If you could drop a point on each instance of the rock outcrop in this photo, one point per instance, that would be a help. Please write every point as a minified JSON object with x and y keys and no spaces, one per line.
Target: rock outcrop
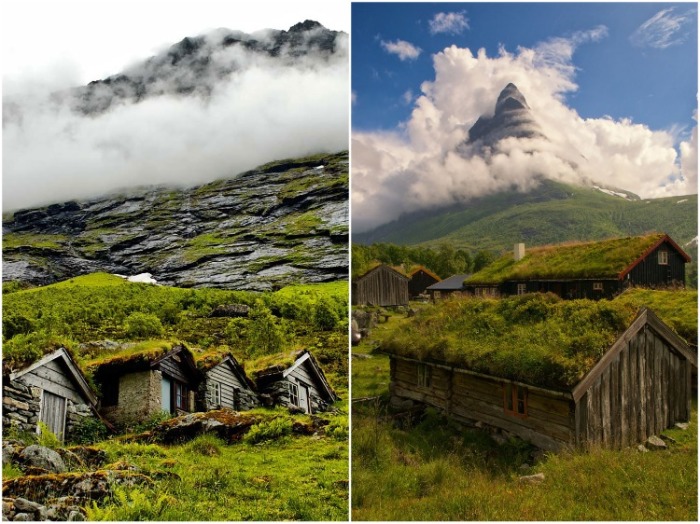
{"x":512,"y":118}
{"x":283,"y":222}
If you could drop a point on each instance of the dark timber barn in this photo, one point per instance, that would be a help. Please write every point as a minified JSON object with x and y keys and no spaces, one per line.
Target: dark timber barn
{"x":585,"y":270}
{"x":419,"y":279}
{"x":380,"y":286}
{"x":640,"y":386}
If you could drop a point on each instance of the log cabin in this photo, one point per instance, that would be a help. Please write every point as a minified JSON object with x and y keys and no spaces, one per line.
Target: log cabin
{"x":137,"y":385}
{"x":555,"y":385}
{"x":380,"y":286}
{"x":592,"y":270}
{"x":419,"y":279}
{"x":52,"y":390}
{"x":225,"y":384}
{"x":295,"y":380}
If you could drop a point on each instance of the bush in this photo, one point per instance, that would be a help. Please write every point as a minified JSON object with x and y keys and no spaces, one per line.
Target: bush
{"x":207,"y":445}
{"x":325,"y":315}
{"x":88,"y":431}
{"x":143,"y":325}
{"x":272,"y":430}
{"x":47,"y":438}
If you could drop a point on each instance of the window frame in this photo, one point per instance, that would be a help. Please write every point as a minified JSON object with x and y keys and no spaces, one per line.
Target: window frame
{"x":214,"y":390}
{"x":293,"y":394}
{"x":181,"y":396}
{"x":663,"y":257}
{"x":424,"y":375}
{"x":521,"y":288}
{"x":597,"y":286}
{"x":513,"y":396}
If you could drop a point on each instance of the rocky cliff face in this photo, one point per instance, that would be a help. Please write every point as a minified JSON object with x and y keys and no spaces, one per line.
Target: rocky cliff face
{"x":284,"y":222}
{"x":195,"y":65}
{"x":512,"y":118}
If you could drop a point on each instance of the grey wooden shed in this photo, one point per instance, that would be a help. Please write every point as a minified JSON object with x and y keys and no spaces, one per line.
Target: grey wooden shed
{"x":52,"y":390}
{"x":225,"y":385}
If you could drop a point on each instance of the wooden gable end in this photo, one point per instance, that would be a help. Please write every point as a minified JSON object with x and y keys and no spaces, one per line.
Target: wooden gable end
{"x":179,"y":364}
{"x":640,"y":387}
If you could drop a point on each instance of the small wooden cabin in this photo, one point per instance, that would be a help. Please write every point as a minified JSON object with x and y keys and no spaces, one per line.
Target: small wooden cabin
{"x":592,"y":270}
{"x":380,"y":286}
{"x":451,"y":286}
{"x":137,"y":385}
{"x":296,"y":380}
{"x":225,"y":385}
{"x":419,"y":279}
{"x":640,"y":386}
{"x":51,"y":390}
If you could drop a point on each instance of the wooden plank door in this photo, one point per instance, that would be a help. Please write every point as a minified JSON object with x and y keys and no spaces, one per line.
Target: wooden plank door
{"x":304,"y":398}
{"x":53,"y":413}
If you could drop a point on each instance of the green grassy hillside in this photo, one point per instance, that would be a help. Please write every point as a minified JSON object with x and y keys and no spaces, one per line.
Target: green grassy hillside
{"x":552,"y":213}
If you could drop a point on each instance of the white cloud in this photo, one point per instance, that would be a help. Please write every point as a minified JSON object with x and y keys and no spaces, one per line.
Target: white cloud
{"x":451,"y":23}
{"x":269,"y":110}
{"x":407,"y":97}
{"x":663,"y":30}
{"x":404,"y":50}
{"x":427,"y":163}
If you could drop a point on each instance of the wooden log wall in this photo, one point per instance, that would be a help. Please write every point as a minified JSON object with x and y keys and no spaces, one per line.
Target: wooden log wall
{"x":550,"y":422}
{"x":381,"y":287}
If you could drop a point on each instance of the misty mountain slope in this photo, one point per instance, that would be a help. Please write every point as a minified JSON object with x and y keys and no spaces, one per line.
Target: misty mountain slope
{"x":551,"y":213}
{"x":208,"y":106}
{"x":195,"y":65}
{"x":284,"y":222}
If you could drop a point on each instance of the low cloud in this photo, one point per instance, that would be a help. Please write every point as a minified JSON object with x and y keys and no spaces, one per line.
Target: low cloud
{"x":427,"y":162}
{"x":404,"y":50}
{"x":450,"y":23}
{"x":267,"y":109}
{"x":664,"y":29}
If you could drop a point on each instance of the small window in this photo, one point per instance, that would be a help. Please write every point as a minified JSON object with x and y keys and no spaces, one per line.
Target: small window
{"x":181,"y":395}
{"x":215,"y":393}
{"x":424,"y":375}
{"x":236,"y":395}
{"x":663,"y":258}
{"x":515,"y":400}
{"x":436,"y":294}
{"x":293,"y":394}
{"x":522,"y":288}
{"x":597,"y":286}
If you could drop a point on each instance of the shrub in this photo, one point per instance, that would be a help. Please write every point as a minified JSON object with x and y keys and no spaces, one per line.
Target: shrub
{"x":143,"y":325}
{"x":325,"y":315}
{"x":272,"y":430}
{"x":207,"y":445}
{"x":47,"y":438}
{"x":88,"y":431}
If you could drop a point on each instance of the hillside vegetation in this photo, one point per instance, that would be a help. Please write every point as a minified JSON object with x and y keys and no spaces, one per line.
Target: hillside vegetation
{"x":101,"y":306}
{"x":550,"y":214}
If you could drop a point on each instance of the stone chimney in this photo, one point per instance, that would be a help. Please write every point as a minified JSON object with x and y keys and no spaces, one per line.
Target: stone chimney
{"x":518,"y":251}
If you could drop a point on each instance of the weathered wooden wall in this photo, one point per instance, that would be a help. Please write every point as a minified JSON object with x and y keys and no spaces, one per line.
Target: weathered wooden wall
{"x":301,"y":375}
{"x":467,"y":396}
{"x":645,"y":389}
{"x":234,"y":393}
{"x":382,"y":286}
{"x":650,"y":273}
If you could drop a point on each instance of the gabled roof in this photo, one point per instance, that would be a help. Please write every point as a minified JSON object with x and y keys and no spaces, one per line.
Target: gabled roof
{"x":383,"y":267}
{"x":425,"y":270}
{"x":206,"y":363}
{"x":62,"y":354}
{"x":453,"y":283}
{"x":605,"y":259}
{"x":281,"y":367}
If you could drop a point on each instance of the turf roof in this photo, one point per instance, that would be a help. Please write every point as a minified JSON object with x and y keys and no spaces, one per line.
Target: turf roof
{"x":536,"y":339}
{"x":603,"y":259}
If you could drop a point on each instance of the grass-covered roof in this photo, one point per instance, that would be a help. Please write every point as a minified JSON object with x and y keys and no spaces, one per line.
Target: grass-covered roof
{"x":536,"y":339}
{"x":602,"y":259}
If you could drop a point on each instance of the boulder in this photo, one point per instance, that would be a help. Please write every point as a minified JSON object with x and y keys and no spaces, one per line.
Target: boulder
{"x":42,"y":457}
{"x":230,"y":311}
{"x":642,"y":448}
{"x":537,"y":478}
{"x":681,"y":425}
{"x":654,"y":443}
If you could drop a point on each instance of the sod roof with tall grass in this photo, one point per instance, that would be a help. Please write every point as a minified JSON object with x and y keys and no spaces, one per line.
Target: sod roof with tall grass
{"x":603,"y":259}
{"x":537,"y":339}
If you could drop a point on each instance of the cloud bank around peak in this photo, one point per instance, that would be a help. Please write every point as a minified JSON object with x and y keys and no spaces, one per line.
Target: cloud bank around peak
{"x":265,"y":110}
{"x":426,"y":162}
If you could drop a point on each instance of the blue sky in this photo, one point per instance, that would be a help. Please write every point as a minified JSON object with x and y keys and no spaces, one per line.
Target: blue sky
{"x":611,"y":86}
{"x":652,"y":81}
